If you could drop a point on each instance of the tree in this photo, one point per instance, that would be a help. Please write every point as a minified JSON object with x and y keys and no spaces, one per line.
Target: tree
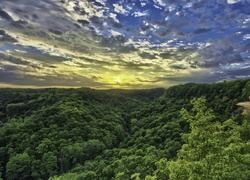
{"x":48,"y":164}
{"x":19,"y":167}
{"x":212,"y":150}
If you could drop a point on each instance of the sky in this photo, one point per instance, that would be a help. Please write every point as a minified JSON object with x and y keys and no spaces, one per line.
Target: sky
{"x":130,"y":44}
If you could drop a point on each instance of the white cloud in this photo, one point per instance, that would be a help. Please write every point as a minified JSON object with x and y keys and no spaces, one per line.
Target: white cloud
{"x":114,"y":17}
{"x":140,"y":14}
{"x":12,"y":15}
{"x":247,"y":20}
{"x":232,"y":1}
{"x":115,"y":33}
{"x":172,"y":8}
{"x":188,"y":5}
{"x":119,"y":9}
{"x":157,"y":7}
{"x":103,"y":2}
{"x":159,"y":2}
{"x":247,"y":36}
{"x":144,"y":2}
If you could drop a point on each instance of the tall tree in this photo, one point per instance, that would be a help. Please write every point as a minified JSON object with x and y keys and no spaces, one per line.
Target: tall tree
{"x":212,"y":150}
{"x":19,"y":167}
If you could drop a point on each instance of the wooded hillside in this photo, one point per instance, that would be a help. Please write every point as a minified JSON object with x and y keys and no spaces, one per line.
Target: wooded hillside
{"x":191,"y":131}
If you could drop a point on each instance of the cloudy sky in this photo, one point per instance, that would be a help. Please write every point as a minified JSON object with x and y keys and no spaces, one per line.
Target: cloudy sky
{"x":123,"y":43}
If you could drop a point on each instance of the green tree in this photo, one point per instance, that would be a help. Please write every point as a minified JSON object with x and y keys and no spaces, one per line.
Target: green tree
{"x":212,"y":150}
{"x":48,"y":164}
{"x":19,"y":167}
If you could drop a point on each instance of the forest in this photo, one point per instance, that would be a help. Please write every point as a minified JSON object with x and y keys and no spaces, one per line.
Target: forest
{"x":186,"y":132}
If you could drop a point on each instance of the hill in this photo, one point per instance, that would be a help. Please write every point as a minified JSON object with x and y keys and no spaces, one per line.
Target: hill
{"x":117,"y":134}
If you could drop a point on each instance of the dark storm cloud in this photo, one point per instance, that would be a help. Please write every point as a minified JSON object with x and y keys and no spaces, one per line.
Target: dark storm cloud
{"x":4,"y":37}
{"x":220,"y":52}
{"x":42,"y":58}
{"x":9,"y":77}
{"x":38,"y":14}
{"x":9,"y":68}
{"x":17,"y":61}
{"x":96,"y":20}
{"x":56,"y":32}
{"x":13,"y":59}
{"x":12,"y":77}
{"x":83,"y":22}
{"x":243,"y":72}
{"x":31,"y":52}
{"x":234,"y":58}
{"x":5,"y":15}
{"x":19,"y":24}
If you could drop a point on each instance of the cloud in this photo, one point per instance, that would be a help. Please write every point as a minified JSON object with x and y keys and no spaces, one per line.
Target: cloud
{"x":13,"y":60}
{"x":5,"y":15}
{"x":178,"y":66}
{"x":102,"y":2}
{"x":117,"y":25}
{"x":162,"y":34}
{"x":224,"y":51}
{"x":119,"y":9}
{"x":114,"y":17}
{"x":246,"y":37}
{"x":115,"y":33}
{"x":56,"y":32}
{"x":4,"y":37}
{"x":160,"y":2}
{"x":149,"y":43}
{"x":202,"y":30}
{"x":140,"y":14}
{"x":19,"y":24}
{"x":116,"y":39}
{"x":145,"y":28}
{"x":232,"y":1}
{"x":147,"y":55}
{"x":95,"y":78}
{"x":14,"y":78}
{"x":199,"y":4}
{"x":83,"y":22}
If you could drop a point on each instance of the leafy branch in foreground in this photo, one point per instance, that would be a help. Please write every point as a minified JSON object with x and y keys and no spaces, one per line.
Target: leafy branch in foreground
{"x":212,"y":150}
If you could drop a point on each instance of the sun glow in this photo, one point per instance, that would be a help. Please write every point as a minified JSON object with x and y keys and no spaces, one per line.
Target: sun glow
{"x":118,"y":80}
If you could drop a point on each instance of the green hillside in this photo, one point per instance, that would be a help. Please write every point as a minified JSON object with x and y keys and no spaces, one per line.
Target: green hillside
{"x":191,"y":131}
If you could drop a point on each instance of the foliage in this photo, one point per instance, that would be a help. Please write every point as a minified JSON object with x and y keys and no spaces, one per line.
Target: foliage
{"x":212,"y":150}
{"x":125,"y":134}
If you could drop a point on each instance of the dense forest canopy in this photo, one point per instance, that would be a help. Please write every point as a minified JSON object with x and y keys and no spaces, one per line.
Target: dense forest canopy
{"x":190,"y":131}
